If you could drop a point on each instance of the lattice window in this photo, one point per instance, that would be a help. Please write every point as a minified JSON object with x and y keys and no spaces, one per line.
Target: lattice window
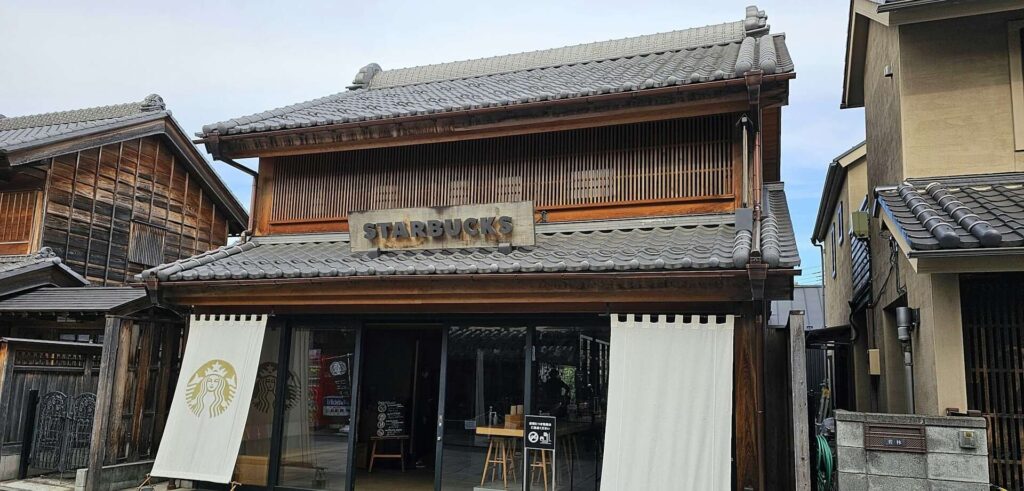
{"x":460,"y":192}
{"x":590,"y":185}
{"x":49,"y":359}
{"x":17,"y":214}
{"x":146,"y":245}
{"x":509,"y":189}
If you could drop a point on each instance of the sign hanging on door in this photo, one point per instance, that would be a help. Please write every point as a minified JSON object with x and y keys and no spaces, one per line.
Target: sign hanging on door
{"x":539,"y":432}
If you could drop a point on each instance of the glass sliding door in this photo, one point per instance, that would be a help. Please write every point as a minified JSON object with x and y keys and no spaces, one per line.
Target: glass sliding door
{"x":484,"y":401}
{"x":318,"y":409}
{"x":252,"y":465}
{"x":570,"y":382}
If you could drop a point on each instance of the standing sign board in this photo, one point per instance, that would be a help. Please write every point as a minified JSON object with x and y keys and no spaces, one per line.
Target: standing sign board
{"x":538,"y":435}
{"x":539,"y":432}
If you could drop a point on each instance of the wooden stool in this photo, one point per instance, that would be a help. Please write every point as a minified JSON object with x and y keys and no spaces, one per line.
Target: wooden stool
{"x":542,"y":463}
{"x":500,"y":452}
{"x":374,"y":455}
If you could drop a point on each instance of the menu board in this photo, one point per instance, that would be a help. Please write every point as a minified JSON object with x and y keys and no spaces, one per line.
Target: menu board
{"x":391,"y":419}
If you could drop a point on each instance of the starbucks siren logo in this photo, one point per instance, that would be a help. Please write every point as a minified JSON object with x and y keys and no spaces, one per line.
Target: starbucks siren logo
{"x":211,"y":388}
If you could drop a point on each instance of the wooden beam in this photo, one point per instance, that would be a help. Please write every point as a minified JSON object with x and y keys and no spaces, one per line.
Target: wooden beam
{"x":466,"y":293}
{"x":264,"y":197}
{"x":798,"y":376}
{"x":105,"y":389}
{"x":570,"y":213}
{"x":366,"y":140}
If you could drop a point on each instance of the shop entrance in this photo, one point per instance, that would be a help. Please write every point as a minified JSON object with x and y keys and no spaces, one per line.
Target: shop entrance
{"x":396,"y":437}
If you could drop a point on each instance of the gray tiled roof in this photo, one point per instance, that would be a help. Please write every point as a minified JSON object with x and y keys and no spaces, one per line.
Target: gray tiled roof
{"x":963,"y":212}
{"x":85,"y":299}
{"x":40,"y":128}
{"x":808,"y":298}
{"x":13,"y":265}
{"x":689,"y":242}
{"x":719,"y":52}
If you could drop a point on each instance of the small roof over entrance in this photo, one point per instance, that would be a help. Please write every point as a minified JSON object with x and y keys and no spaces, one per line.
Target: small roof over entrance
{"x":78,"y":300}
{"x":44,"y":268}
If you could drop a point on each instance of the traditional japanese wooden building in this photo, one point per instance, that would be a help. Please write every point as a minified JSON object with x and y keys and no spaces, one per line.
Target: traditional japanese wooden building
{"x":111,"y":190}
{"x":88,"y":199}
{"x":591,"y":233}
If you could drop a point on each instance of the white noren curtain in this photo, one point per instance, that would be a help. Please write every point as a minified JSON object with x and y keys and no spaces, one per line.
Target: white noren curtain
{"x":669,"y":421}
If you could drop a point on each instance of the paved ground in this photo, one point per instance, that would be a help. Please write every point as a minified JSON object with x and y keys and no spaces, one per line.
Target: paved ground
{"x":39,"y":484}
{"x":54,"y":484}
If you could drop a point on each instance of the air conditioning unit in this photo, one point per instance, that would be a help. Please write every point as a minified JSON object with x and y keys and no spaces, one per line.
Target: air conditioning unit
{"x":861,"y":224}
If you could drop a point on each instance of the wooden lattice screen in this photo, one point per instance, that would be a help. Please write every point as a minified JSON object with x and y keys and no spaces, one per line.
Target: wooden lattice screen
{"x":993,"y":323}
{"x":17,"y":214}
{"x":682,"y":158}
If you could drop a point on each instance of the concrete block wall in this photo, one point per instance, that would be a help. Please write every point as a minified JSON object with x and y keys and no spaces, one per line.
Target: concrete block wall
{"x":946,"y":466}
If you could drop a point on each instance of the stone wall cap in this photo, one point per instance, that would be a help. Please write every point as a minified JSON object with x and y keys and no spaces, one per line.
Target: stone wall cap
{"x":910,"y":419}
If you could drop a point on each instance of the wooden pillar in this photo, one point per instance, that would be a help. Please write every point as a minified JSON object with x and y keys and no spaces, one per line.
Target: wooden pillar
{"x":101,"y":418}
{"x":114,"y":442}
{"x":168,"y":357}
{"x":798,"y":373}
{"x":748,"y":401}
{"x":142,"y":376}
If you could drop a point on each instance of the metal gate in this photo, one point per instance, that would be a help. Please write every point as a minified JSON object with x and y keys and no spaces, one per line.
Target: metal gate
{"x":992,"y":307}
{"x":63,"y":431}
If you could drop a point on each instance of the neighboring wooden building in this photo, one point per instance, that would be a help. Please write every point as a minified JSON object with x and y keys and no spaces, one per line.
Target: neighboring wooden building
{"x":941,"y":87}
{"x":637,"y":176}
{"x":111,"y":190}
{"x":88,"y":199}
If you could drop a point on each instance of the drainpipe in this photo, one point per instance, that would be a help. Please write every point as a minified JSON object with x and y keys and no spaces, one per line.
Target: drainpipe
{"x":906,"y":321}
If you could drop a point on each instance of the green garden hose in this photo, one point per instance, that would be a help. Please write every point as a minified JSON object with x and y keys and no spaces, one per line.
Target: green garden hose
{"x":824,"y":464}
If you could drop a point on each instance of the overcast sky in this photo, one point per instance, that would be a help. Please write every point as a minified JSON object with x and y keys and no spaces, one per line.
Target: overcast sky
{"x":217,"y":60}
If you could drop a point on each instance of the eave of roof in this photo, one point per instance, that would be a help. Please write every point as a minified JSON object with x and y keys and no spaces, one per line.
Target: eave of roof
{"x":92,"y":299}
{"x":834,"y":179}
{"x":956,"y":216}
{"x":422,"y":92}
{"x":44,"y":268}
{"x":892,"y":5}
{"x":26,"y":150}
{"x":686,"y":243}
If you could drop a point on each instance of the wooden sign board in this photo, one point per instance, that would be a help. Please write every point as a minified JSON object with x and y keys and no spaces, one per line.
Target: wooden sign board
{"x":446,"y":227}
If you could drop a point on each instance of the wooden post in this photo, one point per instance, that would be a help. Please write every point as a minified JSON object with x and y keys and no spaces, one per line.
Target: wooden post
{"x":798,"y":374}
{"x":114,"y":441}
{"x":28,"y":427}
{"x":101,"y":418}
{"x":746,"y":395}
{"x":147,"y":335}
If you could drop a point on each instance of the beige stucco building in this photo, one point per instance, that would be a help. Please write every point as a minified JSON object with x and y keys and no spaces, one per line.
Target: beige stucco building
{"x":929,"y":214}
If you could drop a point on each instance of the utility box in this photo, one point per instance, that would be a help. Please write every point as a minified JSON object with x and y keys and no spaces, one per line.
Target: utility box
{"x":861,"y":224}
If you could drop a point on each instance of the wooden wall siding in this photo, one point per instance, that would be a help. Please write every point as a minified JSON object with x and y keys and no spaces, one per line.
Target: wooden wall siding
{"x":94,"y":196}
{"x":648,"y":162}
{"x":17,"y":217}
